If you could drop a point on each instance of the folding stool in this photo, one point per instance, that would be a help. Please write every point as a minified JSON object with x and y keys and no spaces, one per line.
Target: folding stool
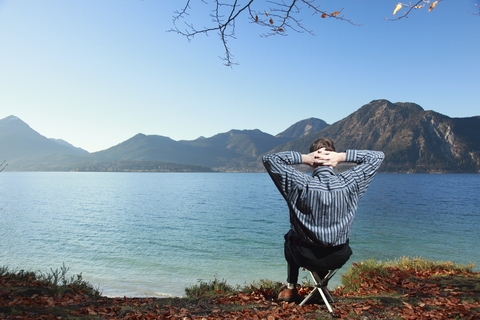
{"x":321,"y":287}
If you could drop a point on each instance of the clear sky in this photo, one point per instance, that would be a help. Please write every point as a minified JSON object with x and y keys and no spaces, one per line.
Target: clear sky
{"x":97,"y":72}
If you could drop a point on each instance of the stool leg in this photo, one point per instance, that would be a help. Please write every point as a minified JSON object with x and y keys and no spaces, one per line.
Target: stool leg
{"x":329,"y":307}
{"x":309,"y":296}
{"x":327,"y":294}
{"x":321,"y":287}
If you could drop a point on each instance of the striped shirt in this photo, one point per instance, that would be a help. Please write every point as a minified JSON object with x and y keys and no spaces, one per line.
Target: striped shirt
{"x":323,"y":205}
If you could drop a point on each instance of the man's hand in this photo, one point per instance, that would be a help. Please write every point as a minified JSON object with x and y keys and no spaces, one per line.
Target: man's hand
{"x":331,"y":158}
{"x":310,"y":159}
{"x":322,"y":157}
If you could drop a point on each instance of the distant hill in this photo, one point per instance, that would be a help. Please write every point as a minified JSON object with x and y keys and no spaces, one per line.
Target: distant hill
{"x":236,"y":150}
{"x":414,"y":140}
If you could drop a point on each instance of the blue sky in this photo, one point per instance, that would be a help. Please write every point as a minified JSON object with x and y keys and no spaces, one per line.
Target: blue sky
{"x":97,"y":72}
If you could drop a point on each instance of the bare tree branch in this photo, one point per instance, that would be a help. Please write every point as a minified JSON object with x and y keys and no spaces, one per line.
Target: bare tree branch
{"x":224,"y":26}
{"x":279,"y":18}
{"x":3,"y":165}
{"x":478,"y":13}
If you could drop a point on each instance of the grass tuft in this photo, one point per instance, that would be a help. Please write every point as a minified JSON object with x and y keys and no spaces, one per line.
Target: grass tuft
{"x":369,"y":270}
{"x":264,"y":286}
{"x":215,"y":287}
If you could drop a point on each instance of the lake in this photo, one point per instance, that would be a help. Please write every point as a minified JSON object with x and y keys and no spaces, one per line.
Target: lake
{"x":154,"y":234}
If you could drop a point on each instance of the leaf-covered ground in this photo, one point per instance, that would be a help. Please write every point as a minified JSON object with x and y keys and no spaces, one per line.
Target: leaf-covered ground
{"x":400,"y":295}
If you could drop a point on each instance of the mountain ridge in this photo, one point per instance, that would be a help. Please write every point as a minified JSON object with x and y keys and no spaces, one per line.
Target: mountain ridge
{"x":20,"y":140}
{"x":413,"y":140}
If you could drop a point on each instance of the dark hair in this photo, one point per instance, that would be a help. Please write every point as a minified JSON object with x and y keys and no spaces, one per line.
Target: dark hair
{"x":322,"y":143}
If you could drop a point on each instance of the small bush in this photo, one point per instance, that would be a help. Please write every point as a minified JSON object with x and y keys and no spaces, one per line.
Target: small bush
{"x":57,"y":280}
{"x":210,"y":288}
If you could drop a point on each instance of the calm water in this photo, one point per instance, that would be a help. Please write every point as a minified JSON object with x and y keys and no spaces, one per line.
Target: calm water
{"x":145,"y":234}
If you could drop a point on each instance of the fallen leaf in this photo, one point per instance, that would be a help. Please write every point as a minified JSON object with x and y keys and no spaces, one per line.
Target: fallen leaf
{"x":397,"y":8}
{"x":432,"y":6}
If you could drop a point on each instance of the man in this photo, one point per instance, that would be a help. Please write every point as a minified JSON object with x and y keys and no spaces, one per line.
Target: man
{"x":322,"y":205}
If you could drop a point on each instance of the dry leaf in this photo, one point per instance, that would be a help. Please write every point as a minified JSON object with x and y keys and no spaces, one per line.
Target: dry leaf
{"x":397,"y":8}
{"x":432,"y":6}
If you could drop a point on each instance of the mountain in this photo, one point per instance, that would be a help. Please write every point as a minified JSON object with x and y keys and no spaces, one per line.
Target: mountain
{"x":65,"y":143}
{"x":303,"y":128}
{"x":414,"y":140}
{"x":235,"y":150}
{"x":27,"y":150}
{"x":18,"y":140}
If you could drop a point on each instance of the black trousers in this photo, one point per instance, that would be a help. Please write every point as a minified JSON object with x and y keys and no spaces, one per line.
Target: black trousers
{"x":313,"y":258}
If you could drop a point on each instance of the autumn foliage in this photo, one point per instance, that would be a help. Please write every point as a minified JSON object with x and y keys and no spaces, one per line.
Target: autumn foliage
{"x":380,"y":291}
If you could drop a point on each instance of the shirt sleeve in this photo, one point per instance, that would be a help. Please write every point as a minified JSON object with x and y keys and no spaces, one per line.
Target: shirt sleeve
{"x":278,"y":166}
{"x":368,"y":162}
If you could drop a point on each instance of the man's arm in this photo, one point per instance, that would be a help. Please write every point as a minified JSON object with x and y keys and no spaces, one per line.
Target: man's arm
{"x":317,"y":158}
{"x":279,"y":167}
{"x":323,"y":157}
{"x":368,"y":162}
{"x":369,"y":159}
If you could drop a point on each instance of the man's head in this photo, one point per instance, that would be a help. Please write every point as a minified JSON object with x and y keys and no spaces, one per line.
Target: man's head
{"x":322,"y":143}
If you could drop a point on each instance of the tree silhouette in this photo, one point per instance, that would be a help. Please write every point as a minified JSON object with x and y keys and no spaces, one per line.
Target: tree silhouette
{"x":278,"y":17}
